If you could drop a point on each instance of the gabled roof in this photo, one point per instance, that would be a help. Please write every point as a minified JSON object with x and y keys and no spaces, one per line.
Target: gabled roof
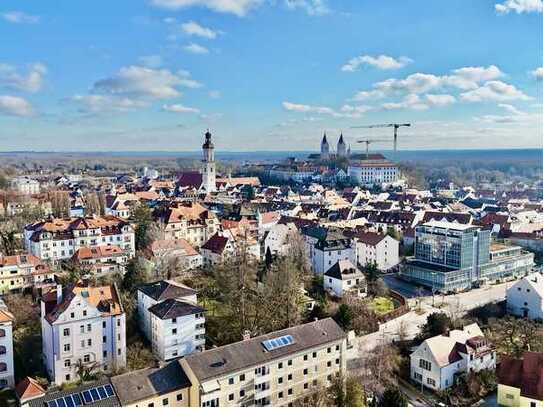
{"x":166,"y":289}
{"x":28,"y":389}
{"x":173,"y":308}
{"x":525,"y":374}
{"x":216,"y":244}
{"x":190,"y":179}
{"x":370,"y":238}
{"x":151,"y":382}
{"x":453,"y":217}
{"x":344,"y":270}
{"x":241,"y":355}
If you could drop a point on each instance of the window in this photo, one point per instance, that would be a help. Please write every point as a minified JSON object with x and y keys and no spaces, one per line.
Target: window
{"x":280,"y":365}
{"x":86,"y":358}
{"x":72,"y":315}
{"x":418,"y":376}
{"x":66,"y":347}
{"x":509,"y":396}
{"x":305,"y":372}
{"x":329,"y":350}
{"x":89,"y":342}
{"x":314,"y":354}
{"x":425,"y":364}
{"x":305,"y":357}
{"x":431,"y":382}
{"x":306,"y":385}
{"x":289,"y":363}
{"x":104,"y":324}
{"x":164,"y":402}
{"x":179,"y":397}
{"x":89,"y":327}
{"x":289,"y":392}
{"x":329,"y":363}
{"x":67,"y":377}
{"x":67,"y":363}
{"x":66,"y":332}
{"x":242,"y":377}
{"x":151,"y":405}
{"x":231,"y":380}
{"x":84,"y":313}
{"x":533,"y":404}
{"x":242,"y":393}
{"x":280,"y":380}
{"x":174,"y":331}
{"x":289,"y":377}
{"x":280,"y":395}
{"x":231,"y":397}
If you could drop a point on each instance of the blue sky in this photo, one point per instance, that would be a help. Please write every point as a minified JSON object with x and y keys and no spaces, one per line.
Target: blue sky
{"x":269,"y":74}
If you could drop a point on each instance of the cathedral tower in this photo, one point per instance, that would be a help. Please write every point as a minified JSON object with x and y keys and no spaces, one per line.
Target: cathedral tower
{"x":325,"y":148}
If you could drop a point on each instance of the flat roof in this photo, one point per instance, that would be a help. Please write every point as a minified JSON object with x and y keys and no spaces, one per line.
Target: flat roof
{"x":450,"y":225}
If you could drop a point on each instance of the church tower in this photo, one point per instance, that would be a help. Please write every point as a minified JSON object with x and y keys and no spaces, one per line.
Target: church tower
{"x":325,"y":148}
{"x":341,"y":147}
{"x":208,"y":170}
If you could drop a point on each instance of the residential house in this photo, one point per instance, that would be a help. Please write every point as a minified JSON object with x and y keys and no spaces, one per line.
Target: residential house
{"x":525,"y":297}
{"x":519,"y":380}
{"x":101,"y":260}
{"x":438,"y":361}
{"x":82,"y":325}
{"x":7,"y":367}
{"x":377,"y":248}
{"x":343,"y":277}
{"x":23,"y":271}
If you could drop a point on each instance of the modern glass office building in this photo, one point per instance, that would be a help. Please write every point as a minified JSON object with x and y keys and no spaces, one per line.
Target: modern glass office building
{"x":452,"y":257}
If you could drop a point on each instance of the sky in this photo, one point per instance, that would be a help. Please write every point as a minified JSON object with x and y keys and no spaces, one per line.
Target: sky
{"x":153,"y":75}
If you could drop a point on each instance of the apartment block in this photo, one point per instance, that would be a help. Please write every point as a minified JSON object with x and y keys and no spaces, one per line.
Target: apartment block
{"x":274,"y":369}
{"x":59,"y":239}
{"x":82,"y":325}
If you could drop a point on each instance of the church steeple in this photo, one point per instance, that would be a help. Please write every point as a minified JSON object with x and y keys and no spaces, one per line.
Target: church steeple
{"x":341,"y":147}
{"x":208,"y":170}
{"x":325,"y":148}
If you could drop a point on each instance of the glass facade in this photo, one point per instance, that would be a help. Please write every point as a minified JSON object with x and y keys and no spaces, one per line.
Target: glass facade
{"x":452,"y":257}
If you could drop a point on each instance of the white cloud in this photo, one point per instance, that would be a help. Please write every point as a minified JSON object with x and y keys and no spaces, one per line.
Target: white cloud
{"x":196,"y":49}
{"x":186,"y":81}
{"x":511,"y":109}
{"x":367,"y":95}
{"x":412,"y":101}
{"x":514,"y":116}
{"x":214,"y":94}
{"x":15,"y":106}
{"x":494,"y":91}
{"x":105,"y":103}
{"x":193,"y":28}
{"x":347,"y":111}
{"x":467,"y":78}
{"x":538,"y":74}
{"x":142,"y":82}
{"x":237,"y":7}
{"x":177,"y":108}
{"x":440,"y":100}
{"x":383,"y":62}
{"x":311,"y":7}
{"x":31,"y":81}
{"x":18,"y":17}
{"x":151,"y":61}
{"x":520,"y":6}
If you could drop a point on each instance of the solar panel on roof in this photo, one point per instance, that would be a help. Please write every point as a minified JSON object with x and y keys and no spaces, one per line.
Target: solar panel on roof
{"x":61,"y":403}
{"x":87,"y":397}
{"x":52,"y":403}
{"x":69,"y":401}
{"x":77,"y":399}
{"x":109,"y":390}
{"x":102,"y":392}
{"x":95,"y":395}
{"x":275,"y":343}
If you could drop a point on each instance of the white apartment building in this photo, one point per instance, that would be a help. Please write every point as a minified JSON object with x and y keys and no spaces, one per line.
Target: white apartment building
{"x":274,"y":369}
{"x":177,"y":329}
{"x":82,"y":325}
{"x":376,"y":248}
{"x":343,"y":277}
{"x":374,"y":170}
{"x":171,"y":319}
{"x":525,"y":297}
{"x":25,"y":185}
{"x":7,"y":369}
{"x":23,"y":271}
{"x":437,"y":360}
{"x":189,"y":221}
{"x":326,"y":247}
{"x":164,"y":250}
{"x":58,"y":239}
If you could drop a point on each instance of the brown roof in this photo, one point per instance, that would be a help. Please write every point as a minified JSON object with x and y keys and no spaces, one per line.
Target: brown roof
{"x":178,"y":244}
{"x":216,"y":244}
{"x":106,"y":299}
{"x":525,"y":374}
{"x":28,"y":389}
{"x":96,"y":252}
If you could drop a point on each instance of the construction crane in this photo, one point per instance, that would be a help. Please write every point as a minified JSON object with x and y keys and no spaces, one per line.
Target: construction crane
{"x":395,"y":125}
{"x":368,"y":142}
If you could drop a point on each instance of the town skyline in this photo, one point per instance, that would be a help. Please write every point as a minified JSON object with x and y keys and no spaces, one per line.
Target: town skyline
{"x":159,"y":72}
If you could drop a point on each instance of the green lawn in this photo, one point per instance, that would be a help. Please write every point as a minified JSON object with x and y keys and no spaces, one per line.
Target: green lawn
{"x":382,"y":305}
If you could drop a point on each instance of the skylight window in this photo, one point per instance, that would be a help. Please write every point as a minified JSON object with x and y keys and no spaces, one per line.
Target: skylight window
{"x":279,"y":342}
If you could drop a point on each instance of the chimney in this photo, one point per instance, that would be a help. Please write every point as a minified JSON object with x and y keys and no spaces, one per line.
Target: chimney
{"x":246,"y":335}
{"x":59,"y":293}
